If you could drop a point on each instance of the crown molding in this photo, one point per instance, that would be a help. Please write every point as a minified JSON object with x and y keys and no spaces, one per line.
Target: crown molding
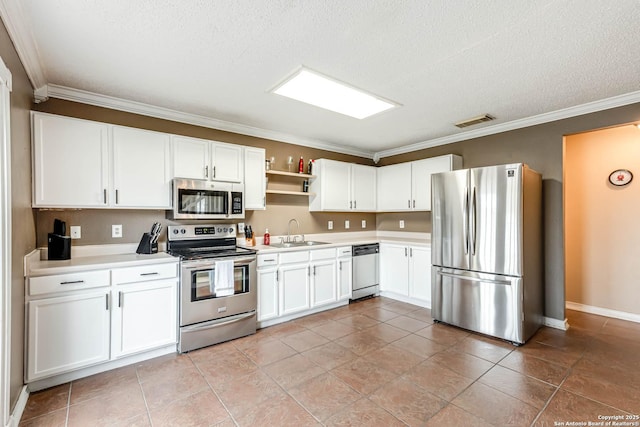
{"x":565,"y":113}
{"x":12,"y":15}
{"x":85,"y":97}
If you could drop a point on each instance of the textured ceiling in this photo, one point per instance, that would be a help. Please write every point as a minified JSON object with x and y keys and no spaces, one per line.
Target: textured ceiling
{"x":443,"y":61}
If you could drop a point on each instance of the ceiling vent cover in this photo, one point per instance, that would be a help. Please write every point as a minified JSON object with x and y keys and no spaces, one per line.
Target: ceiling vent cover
{"x":475,"y":121}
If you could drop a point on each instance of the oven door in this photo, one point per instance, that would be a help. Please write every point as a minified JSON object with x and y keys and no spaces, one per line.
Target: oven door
{"x":201,"y":300}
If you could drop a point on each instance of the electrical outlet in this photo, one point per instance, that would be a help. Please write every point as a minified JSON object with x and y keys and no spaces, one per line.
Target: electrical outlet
{"x":364,"y":223}
{"x":330,"y":225}
{"x":76,"y":232}
{"x":346,"y":224}
{"x":116,"y":231}
{"x":241,"y":227}
{"x":402,"y":223}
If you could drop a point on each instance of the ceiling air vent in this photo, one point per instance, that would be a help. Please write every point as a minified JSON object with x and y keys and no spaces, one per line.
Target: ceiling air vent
{"x":475,"y":121}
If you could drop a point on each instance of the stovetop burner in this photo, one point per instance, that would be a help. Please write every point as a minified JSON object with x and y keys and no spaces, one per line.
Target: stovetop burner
{"x":194,"y":242}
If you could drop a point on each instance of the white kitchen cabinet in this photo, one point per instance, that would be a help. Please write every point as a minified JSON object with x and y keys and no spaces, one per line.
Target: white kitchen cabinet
{"x":267,"y":293}
{"x":323,"y":277}
{"x":67,"y":333}
{"x":294,"y":288}
{"x":196,"y":158}
{"x":394,"y":271}
{"x":407,"y":186}
{"x":141,"y":169}
{"x":342,"y":187}
{"x":345,"y":272}
{"x":70,"y":162}
{"x":405,"y":271}
{"x":144,"y":316}
{"x":254,"y":179}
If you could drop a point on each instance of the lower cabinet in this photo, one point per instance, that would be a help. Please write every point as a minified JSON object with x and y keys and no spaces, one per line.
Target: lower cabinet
{"x":267,"y":293}
{"x":323,"y":282}
{"x":67,"y":333}
{"x":406,"y":271}
{"x":144,"y":317}
{"x":294,"y":288}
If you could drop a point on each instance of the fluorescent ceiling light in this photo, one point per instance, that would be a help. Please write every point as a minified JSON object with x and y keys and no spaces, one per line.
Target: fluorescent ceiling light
{"x":324,"y":92}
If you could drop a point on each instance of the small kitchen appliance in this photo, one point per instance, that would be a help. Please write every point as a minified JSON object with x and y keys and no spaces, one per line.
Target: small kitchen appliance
{"x":218,"y":284}
{"x":59,"y":245}
{"x":202,"y":199}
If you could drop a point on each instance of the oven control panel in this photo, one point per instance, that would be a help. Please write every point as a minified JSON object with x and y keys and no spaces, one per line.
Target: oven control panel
{"x":212,"y":231}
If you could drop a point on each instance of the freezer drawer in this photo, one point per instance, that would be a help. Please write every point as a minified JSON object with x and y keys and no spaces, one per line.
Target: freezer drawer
{"x":481,"y":302}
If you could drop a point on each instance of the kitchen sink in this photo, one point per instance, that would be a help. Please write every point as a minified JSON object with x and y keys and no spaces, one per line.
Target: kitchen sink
{"x":298,"y":244}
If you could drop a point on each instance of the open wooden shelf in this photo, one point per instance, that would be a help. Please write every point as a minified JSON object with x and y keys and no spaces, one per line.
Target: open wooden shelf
{"x":291,"y":174}
{"x":290,"y":193}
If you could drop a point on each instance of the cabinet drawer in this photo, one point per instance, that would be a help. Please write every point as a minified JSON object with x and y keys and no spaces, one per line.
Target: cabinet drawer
{"x":144,"y":273}
{"x":344,"y":252}
{"x":290,"y":257}
{"x":266,"y":260}
{"x":68,"y":282}
{"x":317,"y":254}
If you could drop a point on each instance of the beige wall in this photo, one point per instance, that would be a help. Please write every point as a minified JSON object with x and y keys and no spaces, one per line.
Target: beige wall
{"x":601,"y":221}
{"x":23,"y":225}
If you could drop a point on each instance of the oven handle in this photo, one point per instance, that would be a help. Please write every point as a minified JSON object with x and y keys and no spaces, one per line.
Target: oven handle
{"x":239,"y":262}
{"x":217,"y":323}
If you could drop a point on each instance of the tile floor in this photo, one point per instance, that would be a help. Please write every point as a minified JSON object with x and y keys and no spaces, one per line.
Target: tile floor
{"x":377,"y":362}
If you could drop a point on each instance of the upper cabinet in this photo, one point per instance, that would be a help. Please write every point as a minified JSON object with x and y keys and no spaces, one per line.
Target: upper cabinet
{"x":141,"y":169}
{"x":80,"y":163}
{"x":203,"y":159}
{"x":70,"y":162}
{"x":341,"y":186}
{"x":254,"y":179}
{"x":407,"y":186}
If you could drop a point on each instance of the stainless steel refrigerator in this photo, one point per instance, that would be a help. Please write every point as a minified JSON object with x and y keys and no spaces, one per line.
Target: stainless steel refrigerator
{"x":487,"y":250}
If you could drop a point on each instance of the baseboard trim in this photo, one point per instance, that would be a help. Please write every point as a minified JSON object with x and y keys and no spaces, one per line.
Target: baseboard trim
{"x":18,"y":410}
{"x":404,"y":298}
{"x":563,"y":325}
{"x":623,"y":315}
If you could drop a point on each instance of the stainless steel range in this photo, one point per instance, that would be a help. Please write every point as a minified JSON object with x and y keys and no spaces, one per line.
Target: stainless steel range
{"x":218,"y":295}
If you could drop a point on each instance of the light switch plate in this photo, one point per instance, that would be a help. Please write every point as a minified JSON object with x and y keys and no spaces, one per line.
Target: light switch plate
{"x":76,"y":232}
{"x":116,"y":231}
{"x":402,"y":223}
{"x":330,"y":225}
{"x":346,"y":224}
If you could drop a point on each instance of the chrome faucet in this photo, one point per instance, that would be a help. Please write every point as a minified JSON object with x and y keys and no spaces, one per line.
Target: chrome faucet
{"x":289,"y":230}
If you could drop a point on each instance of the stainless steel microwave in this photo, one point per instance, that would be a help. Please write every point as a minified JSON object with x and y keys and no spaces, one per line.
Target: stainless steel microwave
{"x":201,"y":199}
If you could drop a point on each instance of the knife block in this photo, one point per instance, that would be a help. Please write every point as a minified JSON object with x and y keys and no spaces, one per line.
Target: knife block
{"x":145,"y":246}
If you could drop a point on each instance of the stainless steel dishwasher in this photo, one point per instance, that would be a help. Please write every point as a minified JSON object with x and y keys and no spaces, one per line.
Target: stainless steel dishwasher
{"x":365,"y":270}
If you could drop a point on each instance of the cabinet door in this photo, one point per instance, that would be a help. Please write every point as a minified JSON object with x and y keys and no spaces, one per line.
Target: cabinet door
{"x":267,"y":293}
{"x":294,"y":288}
{"x":254,"y":178}
{"x":421,"y":179}
{"x":144,"y":316}
{"x":394,"y":270}
{"x":190,"y":157}
{"x":345,"y":268}
{"x":323,"y":282}
{"x":394,"y":187}
{"x":335,"y":186}
{"x":420,"y":273}
{"x":67,"y":333}
{"x":141,"y":169}
{"x":226,"y":162}
{"x":70,"y":162}
{"x":363,"y":187}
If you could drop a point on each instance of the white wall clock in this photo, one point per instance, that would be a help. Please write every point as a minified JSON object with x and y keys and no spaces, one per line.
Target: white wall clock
{"x":620,"y":177}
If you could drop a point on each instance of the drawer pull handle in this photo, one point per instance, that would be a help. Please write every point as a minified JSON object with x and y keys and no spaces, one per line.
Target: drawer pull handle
{"x":269,"y":260}
{"x":149,"y":274}
{"x":72,"y":282}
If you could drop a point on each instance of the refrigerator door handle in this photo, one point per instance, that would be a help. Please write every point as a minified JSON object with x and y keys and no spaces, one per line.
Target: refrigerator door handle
{"x":465,"y":219}
{"x":473,"y":221}
{"x":474,"y":279}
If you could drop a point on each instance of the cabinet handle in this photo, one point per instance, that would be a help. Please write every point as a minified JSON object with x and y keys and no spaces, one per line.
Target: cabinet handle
{"x":411,"y":252}
{"x":104,"y":195}
{"x":340,"y":265}
{"x":72,"y":282}
{"x":309,"y":271}
{"x":277,"y":276}
{"x":214,"y":172}
{"x":264,"y":201}
{"x":414,"y":203}
{"x":206,"y":171}
{"x":314,"y":270}
{"x":120,"y":298}
{"x":409,"y":204}
{"x":405,"y":251}
{"x":350,"y":204}
{"x":269,"y":260}
{"x":117,"y":198}
{"x":354,"y":204}
{"x":107,"y":295}
{"x":149,"y":274}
